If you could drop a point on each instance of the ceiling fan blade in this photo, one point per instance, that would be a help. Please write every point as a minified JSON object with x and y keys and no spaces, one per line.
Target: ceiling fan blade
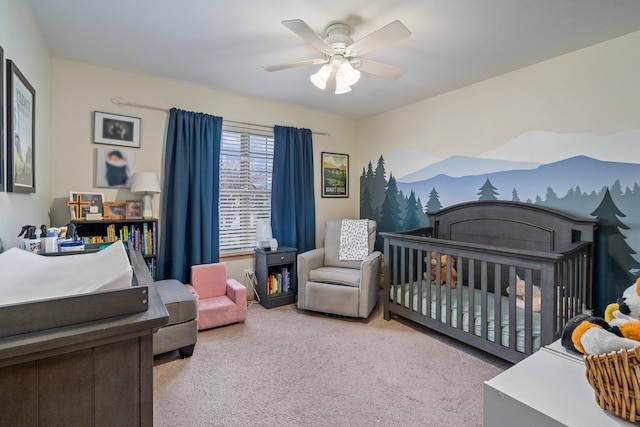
{"x":288,"y":65}
{"x":301,"y":28}
{"x":381,"y":69}
{"x":388,"y":34}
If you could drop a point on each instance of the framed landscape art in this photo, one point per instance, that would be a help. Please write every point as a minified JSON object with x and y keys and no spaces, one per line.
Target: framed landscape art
{"x":335,"y":175}
{"x":21,"y":120}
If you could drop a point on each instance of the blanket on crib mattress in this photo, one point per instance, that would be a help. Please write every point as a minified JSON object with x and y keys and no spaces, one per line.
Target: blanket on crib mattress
{"x":412,"y":291}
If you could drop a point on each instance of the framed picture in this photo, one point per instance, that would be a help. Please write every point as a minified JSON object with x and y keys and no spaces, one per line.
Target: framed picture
{"x":115,"y":129}
{"x":335,"y":175}
{"x":21,"y":121}
{"x":2,"y":156}
{"x":114,"y":167}
{"x":83,"y":203}
{"x":134,"y":209}
{"x":115,"y":210}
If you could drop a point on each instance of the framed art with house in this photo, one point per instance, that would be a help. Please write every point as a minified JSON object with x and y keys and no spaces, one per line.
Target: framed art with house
{"x":335,"y":175}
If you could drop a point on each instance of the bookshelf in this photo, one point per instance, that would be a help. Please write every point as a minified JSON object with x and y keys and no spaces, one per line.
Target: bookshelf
{"x":142,"y":233}
{"x":276,"y":273}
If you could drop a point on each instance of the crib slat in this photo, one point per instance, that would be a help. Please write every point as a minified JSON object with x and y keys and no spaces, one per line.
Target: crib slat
{"x":497,"y":305}
{"x":512,"y":307}
{"x":483,"y":301}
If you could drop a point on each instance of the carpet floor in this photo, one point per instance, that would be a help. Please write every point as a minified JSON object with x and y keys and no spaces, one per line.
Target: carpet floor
{"x":290,"y":367}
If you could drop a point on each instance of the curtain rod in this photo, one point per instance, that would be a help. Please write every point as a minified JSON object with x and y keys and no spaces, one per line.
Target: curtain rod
{"x":122,"y":103}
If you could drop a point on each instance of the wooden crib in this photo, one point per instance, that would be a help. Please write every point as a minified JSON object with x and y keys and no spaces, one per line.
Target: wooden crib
{"x":492,"y":243}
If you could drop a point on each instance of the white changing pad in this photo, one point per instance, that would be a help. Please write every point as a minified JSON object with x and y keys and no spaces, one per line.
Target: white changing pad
{"x":25,"y":276}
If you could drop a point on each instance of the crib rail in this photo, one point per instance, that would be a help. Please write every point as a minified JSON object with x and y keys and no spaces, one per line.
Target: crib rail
{"x":481,"y":306}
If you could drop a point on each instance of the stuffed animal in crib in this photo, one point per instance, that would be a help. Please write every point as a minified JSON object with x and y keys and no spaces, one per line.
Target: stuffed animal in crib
{"x":520,"y":295}
{"x":443,"y":270}
{"x":619,"y":329}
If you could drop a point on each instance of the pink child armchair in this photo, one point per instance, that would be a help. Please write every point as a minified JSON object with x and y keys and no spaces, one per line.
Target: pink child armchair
{"x":221,"y":301}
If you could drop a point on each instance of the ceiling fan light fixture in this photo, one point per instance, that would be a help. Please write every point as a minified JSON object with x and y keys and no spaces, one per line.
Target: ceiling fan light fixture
{"x":349,"y":74}
{"x":319,"y":79}
{"x":341,"y":85}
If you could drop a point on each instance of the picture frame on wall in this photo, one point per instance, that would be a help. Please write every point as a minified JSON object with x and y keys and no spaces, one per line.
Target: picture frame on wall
{"x":335,"y":175}
{"x":21,"y":121}
{"x":114,"y":167}
{"x":88,"y":202}
{"x":2,"y":130}
{"x":116,"y":129}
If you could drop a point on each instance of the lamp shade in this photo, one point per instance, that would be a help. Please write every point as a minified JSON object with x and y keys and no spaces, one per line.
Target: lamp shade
{"x":341,"y":85}
{"x":349,"y":74}
{"x":145,"y":183}
{"x":320,"y":78}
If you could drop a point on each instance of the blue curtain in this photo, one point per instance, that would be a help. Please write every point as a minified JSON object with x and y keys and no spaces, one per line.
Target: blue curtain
{"x":189,"y":225}
{"x":293,"y":211}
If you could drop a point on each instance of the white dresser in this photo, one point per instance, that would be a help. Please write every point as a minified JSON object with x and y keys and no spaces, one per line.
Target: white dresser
{"x":548,"y":388}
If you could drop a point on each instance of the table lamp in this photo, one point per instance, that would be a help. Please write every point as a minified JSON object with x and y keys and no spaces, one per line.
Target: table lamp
{"x":145,"y":183}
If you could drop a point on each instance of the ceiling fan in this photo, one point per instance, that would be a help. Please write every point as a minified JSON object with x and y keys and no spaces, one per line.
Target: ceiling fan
{"x":341,"y":56}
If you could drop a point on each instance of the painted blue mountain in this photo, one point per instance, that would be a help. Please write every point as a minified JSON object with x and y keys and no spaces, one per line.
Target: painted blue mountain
{"x":457,"y":166}
{"x":587,"y":173}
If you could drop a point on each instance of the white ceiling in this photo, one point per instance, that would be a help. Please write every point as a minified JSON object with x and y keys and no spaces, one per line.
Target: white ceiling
{"x":224,"y":44}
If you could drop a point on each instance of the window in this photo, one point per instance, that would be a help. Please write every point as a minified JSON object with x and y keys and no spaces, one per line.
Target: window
{"x":246,"y":163}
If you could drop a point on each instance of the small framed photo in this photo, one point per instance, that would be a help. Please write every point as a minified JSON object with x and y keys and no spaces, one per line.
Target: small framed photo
{"x":335,"y":175}
{"x":115,"y":129}
{"x":134,"y":209}
{"x":115,"y":210}
{"x":82,"y":203}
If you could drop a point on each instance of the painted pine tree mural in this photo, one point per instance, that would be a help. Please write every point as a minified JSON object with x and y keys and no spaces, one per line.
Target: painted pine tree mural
{"x":613,"y":256}
{"x":411,"y":220}
{"x":433,"y":204}
{"x":488,"y":191}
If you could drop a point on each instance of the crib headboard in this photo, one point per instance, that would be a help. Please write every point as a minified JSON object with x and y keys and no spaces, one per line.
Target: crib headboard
{"x":510,"y":224}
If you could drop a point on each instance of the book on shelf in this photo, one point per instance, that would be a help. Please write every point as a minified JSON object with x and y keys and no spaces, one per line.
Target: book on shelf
{"x":279,"y":282}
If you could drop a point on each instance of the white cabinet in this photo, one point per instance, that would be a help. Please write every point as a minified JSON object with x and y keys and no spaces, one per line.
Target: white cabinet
{"x":548,"y":388}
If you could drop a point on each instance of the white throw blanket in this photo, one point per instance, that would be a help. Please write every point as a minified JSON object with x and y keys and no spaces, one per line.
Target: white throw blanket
{"x":354,"y":240}
{"x":25,"y":276}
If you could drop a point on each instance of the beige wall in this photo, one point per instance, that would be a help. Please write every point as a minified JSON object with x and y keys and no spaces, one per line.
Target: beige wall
{"x":23,"y":44}
{"x":80,"y":89}
{"x":593,"y":90}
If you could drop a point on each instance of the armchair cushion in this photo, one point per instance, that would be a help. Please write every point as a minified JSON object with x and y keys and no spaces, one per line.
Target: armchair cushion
{"x":335,"y":275}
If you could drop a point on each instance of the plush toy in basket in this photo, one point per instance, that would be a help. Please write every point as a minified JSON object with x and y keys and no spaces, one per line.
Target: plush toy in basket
{"x":620,"y":328}
{"x":611,"y":348}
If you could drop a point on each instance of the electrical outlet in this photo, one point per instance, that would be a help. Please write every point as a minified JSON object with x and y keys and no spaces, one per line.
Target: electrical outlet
{"x":248,"y":272}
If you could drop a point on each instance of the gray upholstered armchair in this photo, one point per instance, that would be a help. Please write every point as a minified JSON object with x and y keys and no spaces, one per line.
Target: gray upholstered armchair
{"x":348,"y":288}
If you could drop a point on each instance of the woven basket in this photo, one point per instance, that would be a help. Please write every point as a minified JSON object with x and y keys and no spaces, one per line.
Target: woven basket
{"x":615,"y":378}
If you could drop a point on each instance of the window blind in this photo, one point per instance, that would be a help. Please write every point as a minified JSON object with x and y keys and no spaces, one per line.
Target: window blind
{"x":246,"y":164}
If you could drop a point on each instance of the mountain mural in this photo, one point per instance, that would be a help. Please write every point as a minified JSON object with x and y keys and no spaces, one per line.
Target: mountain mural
{"x":606,"y":190}
{"x":589,"y":174}
{"x":460,"y":165}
